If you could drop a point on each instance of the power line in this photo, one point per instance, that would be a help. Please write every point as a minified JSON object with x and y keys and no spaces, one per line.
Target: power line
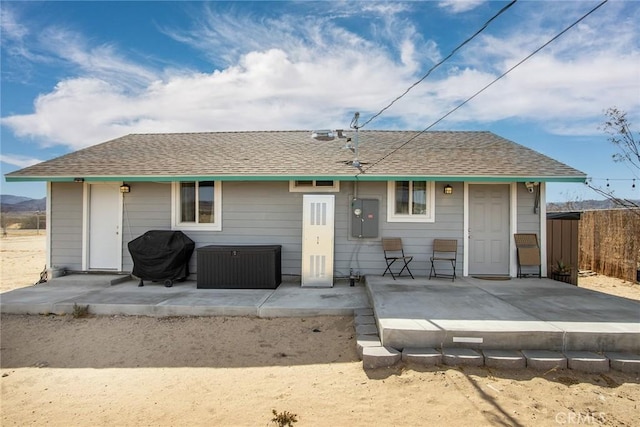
{"x":440,"y":63}
{"x":486,"y":87}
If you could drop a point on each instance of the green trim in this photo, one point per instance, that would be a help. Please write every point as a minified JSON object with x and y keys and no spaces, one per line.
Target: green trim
{"x":363,"y":177}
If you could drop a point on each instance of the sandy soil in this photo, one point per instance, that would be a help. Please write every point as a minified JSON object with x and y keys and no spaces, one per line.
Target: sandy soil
{"x":133,"y":371}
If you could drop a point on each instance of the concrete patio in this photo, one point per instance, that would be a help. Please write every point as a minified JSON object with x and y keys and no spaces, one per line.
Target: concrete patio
{"x":514,"y":314}
{"x":468,"y":313}
{"x":120,"y":295}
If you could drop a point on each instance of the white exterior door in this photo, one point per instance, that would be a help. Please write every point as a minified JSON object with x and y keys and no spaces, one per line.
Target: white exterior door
{"x":489,"y":225}
{"x":317,"y":240}
{"x":105,"y":217}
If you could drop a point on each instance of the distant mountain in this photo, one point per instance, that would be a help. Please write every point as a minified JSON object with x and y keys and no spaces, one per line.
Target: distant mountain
{"x":584,"y":205}
{"x":9,"y":203}
{"x":8,"y":199}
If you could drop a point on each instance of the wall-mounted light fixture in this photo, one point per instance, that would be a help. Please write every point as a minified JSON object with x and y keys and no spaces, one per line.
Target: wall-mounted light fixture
{"x":125,"y":188}
{"x":78,"y":179}
{"x":448,"y":189}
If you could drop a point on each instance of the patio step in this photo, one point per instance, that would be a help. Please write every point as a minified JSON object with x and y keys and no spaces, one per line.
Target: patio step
{"x":462,"y":357}
{"x":624,"y":362}
{"x":545,"y":360}
{"x":422,"y":356}
{"x":504,"y":359}
{"x":380,"y":357}
{"x":586,"y":361}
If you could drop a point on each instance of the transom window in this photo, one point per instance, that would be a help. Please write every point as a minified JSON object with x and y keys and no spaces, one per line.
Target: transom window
{"x":314,"y":185}
{"x":197,"y":205}
{"x":410,"y":201}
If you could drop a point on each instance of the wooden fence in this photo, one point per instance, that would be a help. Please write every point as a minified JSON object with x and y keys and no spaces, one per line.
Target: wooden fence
{"x":610,"y":243}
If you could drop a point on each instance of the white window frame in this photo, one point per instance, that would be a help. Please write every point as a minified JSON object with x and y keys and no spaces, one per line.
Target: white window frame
{"x":176,"y":224}
{"x":429,"y":216}
{"x":293,"y":188}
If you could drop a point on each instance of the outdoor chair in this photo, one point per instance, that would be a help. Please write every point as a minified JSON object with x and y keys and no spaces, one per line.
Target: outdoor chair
{"x":444,"y":250}
{"x":393,"y":251}
{"x":528,"y":251}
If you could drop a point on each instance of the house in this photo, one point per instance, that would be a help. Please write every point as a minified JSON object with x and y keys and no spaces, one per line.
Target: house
{"x":272,"y":188}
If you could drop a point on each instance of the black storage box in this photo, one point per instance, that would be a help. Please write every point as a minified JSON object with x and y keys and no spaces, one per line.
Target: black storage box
{"x":239,"y":267}
{"x":161,"y":255}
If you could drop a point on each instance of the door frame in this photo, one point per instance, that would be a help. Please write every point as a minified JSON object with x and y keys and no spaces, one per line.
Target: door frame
{"x":513,"y":225}
{"x":86,"y":223}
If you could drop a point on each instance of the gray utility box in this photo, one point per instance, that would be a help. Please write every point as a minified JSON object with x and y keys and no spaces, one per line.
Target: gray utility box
{"x":239,"y":267}
{"x":364,"y":218}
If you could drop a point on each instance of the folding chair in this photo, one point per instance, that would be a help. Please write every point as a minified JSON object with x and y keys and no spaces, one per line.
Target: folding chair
{"x":528,"y":251}
{"x":444,"y":250}
{"x":393,"y":251}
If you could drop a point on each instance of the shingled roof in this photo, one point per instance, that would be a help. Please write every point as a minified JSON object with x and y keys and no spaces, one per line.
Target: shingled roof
{"x":286,"y":155}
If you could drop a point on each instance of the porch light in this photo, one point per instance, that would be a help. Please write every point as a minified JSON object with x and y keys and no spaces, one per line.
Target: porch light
{"x":78,"y":179}
{"x":448,"y":189}
{"x":125,"y":188}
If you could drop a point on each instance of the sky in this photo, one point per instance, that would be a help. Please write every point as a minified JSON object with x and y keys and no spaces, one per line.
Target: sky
{"x":74,"y":74}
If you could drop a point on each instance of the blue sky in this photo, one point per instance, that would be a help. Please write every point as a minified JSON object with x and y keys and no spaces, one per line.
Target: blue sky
{"x":79,"y":73}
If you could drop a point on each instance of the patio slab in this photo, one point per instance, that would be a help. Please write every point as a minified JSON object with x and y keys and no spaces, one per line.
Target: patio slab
{"x":183,"y":299}
{"x":502,"y":315}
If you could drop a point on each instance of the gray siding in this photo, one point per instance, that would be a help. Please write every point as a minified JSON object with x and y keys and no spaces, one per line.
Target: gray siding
{"x":267,"y":213}
{"x":66,"y":225}
{"x":146,"y":207}
{"x":528,"y":220}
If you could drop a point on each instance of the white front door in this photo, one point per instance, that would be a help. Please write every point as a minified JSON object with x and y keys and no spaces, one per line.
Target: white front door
{"x":489,"y":225}
{"x":317,"y":240}
{"x":105,"y":217}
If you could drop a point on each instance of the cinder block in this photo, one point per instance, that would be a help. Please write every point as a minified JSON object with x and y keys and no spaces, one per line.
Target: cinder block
{"x":462,"y":357}
{"x":379,"y":357}
{"x":364,"y":320}
{"x":586,"y":361}
{"x":366,"y":330}
{"x":422,"y":356}
{"x":504,"y":359}
{"x":363,"y":312}
{"x":545,"y":360}
{"x":364,"y":341}
{"x":624,"y":362}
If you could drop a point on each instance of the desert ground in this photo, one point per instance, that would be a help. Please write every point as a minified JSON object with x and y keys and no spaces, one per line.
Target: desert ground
{"x":234,"y":371}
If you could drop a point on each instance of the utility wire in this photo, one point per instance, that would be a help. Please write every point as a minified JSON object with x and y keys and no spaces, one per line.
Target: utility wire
{"x":485,"y":87}
{"x":504,"y":9}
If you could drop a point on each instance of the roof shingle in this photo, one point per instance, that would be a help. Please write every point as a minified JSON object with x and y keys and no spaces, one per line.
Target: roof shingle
{"x":286,"y":154}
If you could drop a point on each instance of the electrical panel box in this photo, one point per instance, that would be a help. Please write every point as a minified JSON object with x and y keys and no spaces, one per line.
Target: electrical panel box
{"x":364,"y":218}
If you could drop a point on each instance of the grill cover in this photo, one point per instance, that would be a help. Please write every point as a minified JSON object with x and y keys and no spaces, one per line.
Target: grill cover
{"x":161,"y":255}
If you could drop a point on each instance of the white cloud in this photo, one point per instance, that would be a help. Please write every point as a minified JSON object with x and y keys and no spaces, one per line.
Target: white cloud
{"x":311,"y":73}
{"x":459,"y":6}
{"x":101,"y":61}
{"x":18,"y":160}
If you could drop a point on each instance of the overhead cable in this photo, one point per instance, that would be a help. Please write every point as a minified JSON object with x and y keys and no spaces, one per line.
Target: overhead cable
{"x":504,"y":9}
{"x":485,"y":87}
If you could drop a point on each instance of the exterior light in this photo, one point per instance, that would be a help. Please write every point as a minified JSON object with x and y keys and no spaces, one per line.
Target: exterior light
{"x":448,"y":189}
{"x":78,"y":179}
{"x":125,"y":188}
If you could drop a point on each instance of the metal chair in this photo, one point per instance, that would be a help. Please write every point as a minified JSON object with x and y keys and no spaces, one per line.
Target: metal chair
{"x":444,"y":250}
{"x":393,"y":251}
{"x":528,"y":251}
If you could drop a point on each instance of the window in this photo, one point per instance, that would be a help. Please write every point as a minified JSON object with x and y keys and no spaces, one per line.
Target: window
{"x":316,"y":186}
{"x":197,"y":205}
{"x":410,"y":201}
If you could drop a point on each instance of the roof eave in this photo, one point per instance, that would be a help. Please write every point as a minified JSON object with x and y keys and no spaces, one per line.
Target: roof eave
{"x":355,"y":177}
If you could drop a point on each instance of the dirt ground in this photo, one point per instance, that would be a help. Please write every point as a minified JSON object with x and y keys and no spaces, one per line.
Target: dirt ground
{"x":233,"y":371}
